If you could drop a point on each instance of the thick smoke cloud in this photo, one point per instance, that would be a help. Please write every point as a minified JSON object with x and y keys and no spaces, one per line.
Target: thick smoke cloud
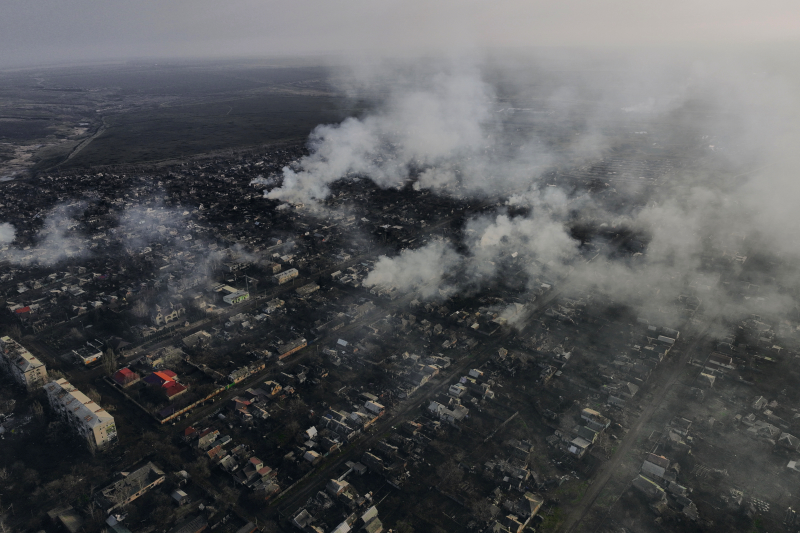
{"x":702,"y":213}
{"x":420,"y":272}
{"x":7,"y":233}
{"x":261,"y":181}
{"x":425,"y":128}
{"x":443,"y":130}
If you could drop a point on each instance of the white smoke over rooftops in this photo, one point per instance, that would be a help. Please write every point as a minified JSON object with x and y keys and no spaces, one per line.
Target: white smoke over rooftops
{"x":690,"y":206}
{"x":7,"y":233}
{"x":421,"y":271}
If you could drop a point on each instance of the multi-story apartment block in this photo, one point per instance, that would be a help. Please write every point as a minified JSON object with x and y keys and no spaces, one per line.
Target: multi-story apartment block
{"x":26,"y":369}
{"x":82,"y":414}
{"x":288,"y":275}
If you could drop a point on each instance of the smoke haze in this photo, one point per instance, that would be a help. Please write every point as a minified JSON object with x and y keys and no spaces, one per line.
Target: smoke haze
{"x":7,"y":233}
{"x":712,"y":180}
{"x":421,"y":272}
{"x":654,"y":154}
{"x":38,"y":31}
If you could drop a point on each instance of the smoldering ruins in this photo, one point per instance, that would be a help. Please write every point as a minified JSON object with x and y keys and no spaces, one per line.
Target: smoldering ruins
{"x":550,"y":292}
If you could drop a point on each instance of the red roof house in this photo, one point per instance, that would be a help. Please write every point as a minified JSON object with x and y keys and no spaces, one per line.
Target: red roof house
{"x":165,"y":380}
{"x":173,"y":389}
{"x":126,"y":377}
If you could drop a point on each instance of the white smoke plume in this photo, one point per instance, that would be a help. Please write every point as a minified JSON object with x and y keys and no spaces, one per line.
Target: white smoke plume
{"x":261,"y":181}
{"x":139,"y":225}
{"x":444,"y":130}
{"x":538,"y":243}
{"x":444,"y":126}
{"x":7,"y":233}
{"x":701,"y":213}
{"x":61,"y":237}
{"x":56,"y":241}
{"x":421,"y":272}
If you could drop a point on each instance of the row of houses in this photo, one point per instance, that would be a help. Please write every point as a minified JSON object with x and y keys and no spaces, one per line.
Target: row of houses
{"x":632,"y":370}
{"x":578,"y":439}
{"x":473,"y":383}
{"x":285,"y":276}
{"x":452,"y":413}
{"x":285,"y":350}
{"x":348,"y":425}
{"x":657,"y":481}
{"x":360,"y":515}
{"x":245,"y":468}
{"x":242,"y":373}
{"x":341,"y":426}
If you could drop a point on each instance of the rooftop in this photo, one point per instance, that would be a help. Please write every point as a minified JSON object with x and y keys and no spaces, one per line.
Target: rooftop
{"x":81,"y":405}
{"x":19,"y":355}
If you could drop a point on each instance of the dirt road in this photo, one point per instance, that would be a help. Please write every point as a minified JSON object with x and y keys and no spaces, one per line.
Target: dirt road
{"x":671,"y":370}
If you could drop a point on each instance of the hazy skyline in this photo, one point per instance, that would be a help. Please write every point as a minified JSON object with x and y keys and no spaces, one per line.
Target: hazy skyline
{"x":42,"y":32}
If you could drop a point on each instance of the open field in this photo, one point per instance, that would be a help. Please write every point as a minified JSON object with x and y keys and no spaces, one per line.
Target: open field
{"x":142,"y":112}
{"x":173,"y":132}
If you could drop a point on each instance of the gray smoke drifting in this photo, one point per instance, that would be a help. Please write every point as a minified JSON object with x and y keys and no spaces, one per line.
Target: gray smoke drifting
{"x":444,"y":132}
{"x":420,"y":272}
{"x":7,"y":233}
{"x":56,"y":241}
{"x":61,"y":236}
{"x":261,"y":181}
{"x":681,"y":171}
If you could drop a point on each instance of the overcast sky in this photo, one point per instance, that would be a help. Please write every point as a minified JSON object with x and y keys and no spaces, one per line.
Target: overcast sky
{"x":52,"y":31}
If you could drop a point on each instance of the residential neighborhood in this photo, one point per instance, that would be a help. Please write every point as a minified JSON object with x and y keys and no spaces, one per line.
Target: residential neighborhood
{"x":218,"y":342}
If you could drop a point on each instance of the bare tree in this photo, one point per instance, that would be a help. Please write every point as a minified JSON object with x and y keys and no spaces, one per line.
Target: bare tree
{"x":229,"y":495}
{"x":292,"y":427}
{"x":140,"y":309}
{"x":199,"y":469}
{"x":93,"y":395}
{"x":15,"y":332}
{"x":449,"y":473}
{"x":297,"y":408}
{"x":481,"y":509}
{"x":270,"y":526}
{"x":110,"y":362}
{"x":404,"y":526}
{"x":54,"y":431}
{"x":37,"y":410}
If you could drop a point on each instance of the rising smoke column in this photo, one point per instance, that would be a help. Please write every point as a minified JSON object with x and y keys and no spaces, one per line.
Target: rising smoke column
{"x":448,"y":136}
{"x":55,"y":241}
{"x":440,"y":129}
{"x":7,"y":233}
{"x":421,"y":272}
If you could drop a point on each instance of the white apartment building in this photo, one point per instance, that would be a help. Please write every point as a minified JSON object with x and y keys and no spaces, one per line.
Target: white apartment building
{"x":83,"y":415}
{"x":285,"y":276}
{"x":22,"y":365}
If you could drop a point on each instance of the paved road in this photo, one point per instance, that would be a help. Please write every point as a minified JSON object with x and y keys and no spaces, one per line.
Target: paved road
{"x":671,"y":370}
